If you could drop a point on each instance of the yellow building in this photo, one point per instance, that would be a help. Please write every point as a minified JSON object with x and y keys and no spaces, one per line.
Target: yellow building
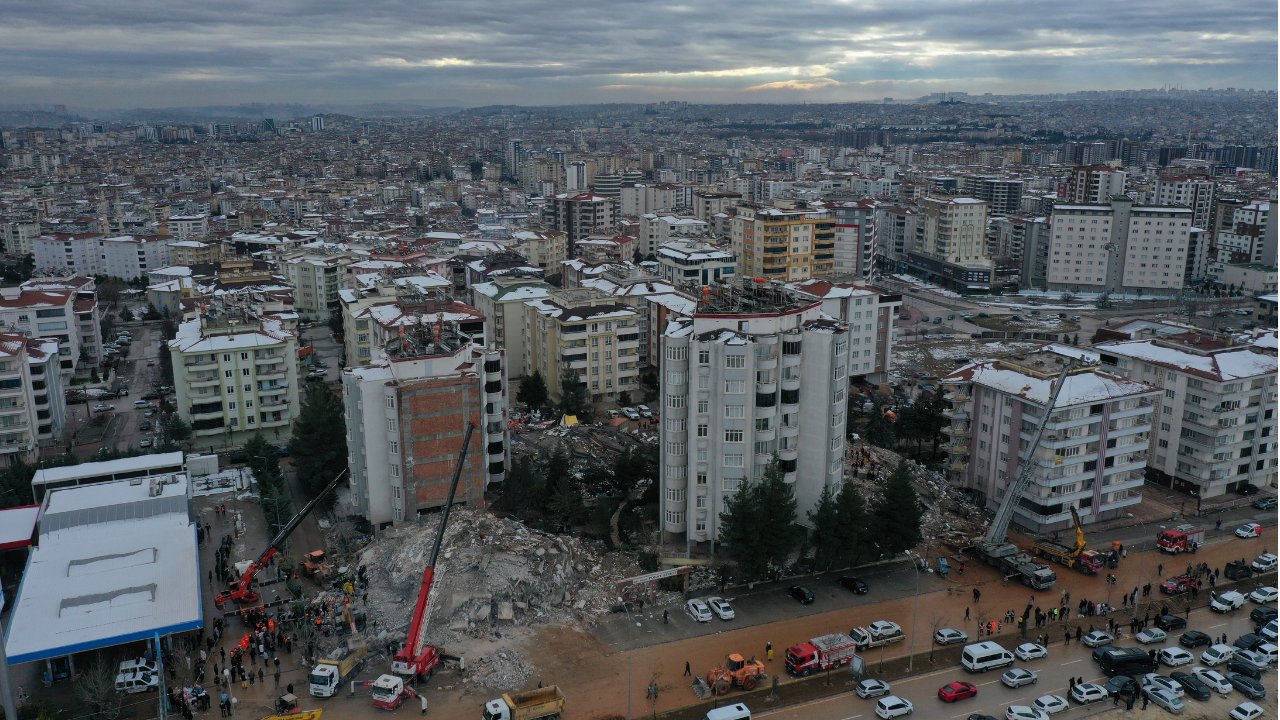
{"x":194,"y":252}
{"x":782,"y":244}
{"x":589,"y":332}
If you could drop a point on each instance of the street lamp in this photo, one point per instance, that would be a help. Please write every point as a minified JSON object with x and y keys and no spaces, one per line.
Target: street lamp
{"x":915,"y":605}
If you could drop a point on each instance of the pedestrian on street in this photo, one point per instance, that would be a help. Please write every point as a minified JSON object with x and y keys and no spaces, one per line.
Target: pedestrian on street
{"x":1066,"y":640}
{"x":423,"y":699}
{"x":976,"y":595}
{"x":1145,"y":702}
{"x":768,"y":651}
{"x":1218,"y":525}
{"x":966,"y":613}
{"x":687,"y":671}
{"x":1160,"y":569}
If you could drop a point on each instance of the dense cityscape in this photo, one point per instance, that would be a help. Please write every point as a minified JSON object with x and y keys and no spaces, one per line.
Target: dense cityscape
{"x":608,"y":410}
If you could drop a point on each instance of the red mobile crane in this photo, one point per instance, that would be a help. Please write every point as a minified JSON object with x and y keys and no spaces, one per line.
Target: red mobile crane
{"x":242,"y":591}
{"x":412,"y":659}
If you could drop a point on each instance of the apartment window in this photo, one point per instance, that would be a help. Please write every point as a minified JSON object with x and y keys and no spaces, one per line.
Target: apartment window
{"x":733,"y":435}
{"x":231,"y":389}
{"x":762,"y":423}
{"x":251,"y":419}
{"x":248,"y":387}
{"x":231,"y":405}
{"x":675,"y":495}
{"x":391,"y":402}
{"x":675,"y":518}
{"x":226,"y":357}
{"x":235,"y":422}
{"x":702,"y":430}
{"x":244,"y":356}
{"x":735,"y":361}
{"x":704,"y":357}
{"x":702,"y":406}
{"x":676,"y":353}
{"x":837,"y":418}
{"x":675,"y":401}
{"x":735,"y":387}
{"x":394,"y":447}
{"x":733,"y":411}
{"x":245,"y":372}
{"x":228,"y":373}
{"x":675,"y":378}
{"x":733,"y":460}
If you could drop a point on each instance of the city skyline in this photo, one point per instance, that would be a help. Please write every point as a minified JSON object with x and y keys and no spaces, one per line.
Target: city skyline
{"x":522,"y":53}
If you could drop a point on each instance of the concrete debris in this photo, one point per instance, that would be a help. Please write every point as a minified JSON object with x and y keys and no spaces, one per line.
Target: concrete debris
{"x":495,"y":581}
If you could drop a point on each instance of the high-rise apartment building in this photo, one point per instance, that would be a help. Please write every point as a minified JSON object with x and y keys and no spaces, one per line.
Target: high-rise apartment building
{"x":732,"y":399}
{"x":783,"y":245}
{"x":1195,"y":192}
{"x":316,"y":273}
{"x":656,"y":230}
{"x":502,"y":302}
{"x":1120,"y":247}
{"x":588,"y":332}
{"x":1215,"y":424}
{"x":952,"y":247}
{"x":1091,"y":457}
{"x":694,"y":262}
{"x":855,"y":236}
{"x":1093,"y":185}
{"x":1003,"y":196}
{"x":1024,"y":242}
{"x":416,"y":399}
{"x":869,"y":313}
{"x":583,"y":215}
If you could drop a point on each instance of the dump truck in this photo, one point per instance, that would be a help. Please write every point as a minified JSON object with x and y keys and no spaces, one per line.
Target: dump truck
{"x":330,"y":672}
{"x":1184,"y":538}
{"x":1016,"y":564}
{"x":820,"y":653}
{"x":542,"y":704}
{"x":1089,"y":562}
{"x":877,"y":634}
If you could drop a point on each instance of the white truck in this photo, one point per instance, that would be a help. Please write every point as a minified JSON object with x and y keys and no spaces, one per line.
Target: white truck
{"x":877,"y":634}
{"x":1227,"y":601}
{"x":331,"y":671}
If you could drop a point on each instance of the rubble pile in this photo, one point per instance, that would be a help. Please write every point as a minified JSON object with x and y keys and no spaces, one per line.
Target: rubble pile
{"x":495,"y":578}
{"x":950,"y":514}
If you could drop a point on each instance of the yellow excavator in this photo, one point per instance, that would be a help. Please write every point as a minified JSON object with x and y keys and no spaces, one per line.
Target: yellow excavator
{"x":1089,"y":562}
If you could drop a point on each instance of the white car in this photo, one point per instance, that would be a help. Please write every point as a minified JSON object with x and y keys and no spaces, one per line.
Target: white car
{"x":1269,"y":631}
{"x":1024,"y":712}
{"x":1227,"y":601}
{"x":1050,"y":704}
{"x":1214,"y":679}
{"x":1017,"y":677}
{"x":1165,"y":699}
{"x":1030,"y":651}
{"x":1085,"y":693}
{"x":892,"y":706}
{"x":1249,"y":530}
{"x":871,"y":688}
{"x":631,"y":413}
{"x":644,"y":411}
{"x":141,"y":404}
{"x":1097,"y":638}
{"x":1174,"y":656}
{"x":721,"y":608}
{"x":950,"y":636}
{"x":1266,"y":562}
{"x":1151,"y":636}
{"x":1168,"y":683}
{"x":1217,"y":654}
{"x":103,"y":407}
{"x":698,"y":610}
{"x":1264,"y":595}
{"x":1246,"y":711}
{"x":1268,"y":651}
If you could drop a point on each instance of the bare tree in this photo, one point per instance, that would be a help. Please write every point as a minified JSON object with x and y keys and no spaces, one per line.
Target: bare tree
{"x":96,"y":688}
{"x":936,"y":623}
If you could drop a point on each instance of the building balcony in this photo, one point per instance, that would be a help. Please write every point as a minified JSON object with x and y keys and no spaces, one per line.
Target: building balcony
{"x":262,"y":362}
{"x":207,"y":381}
{"x":765,"y":435}
{"x":957,"y":449}
{"x":770,"y":363}
{"x":769,"y":388}
{"x":789,"y":431}
{"x":279,"y":406}
{"x":956,"y":414}
{"x":958,"y":430}
{"x":280,"y":374}
{"x":957,"y":466}
{"x":958,"y":397}
{"x":203,"y":366}
{"x":206,"y":414}
{"x":282,"y":422}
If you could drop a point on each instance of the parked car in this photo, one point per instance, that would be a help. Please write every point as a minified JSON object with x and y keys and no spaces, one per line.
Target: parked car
{"x":1194,"y":639}
{"x":1120,"y":685}
{"x":644,"y":411}
{"x":1240,"y":665}
{"x":1096,"y":638}
{"x":1174,"y":656}
{"x":698,"y":610}
{"x":803,"y":594}
{"x":1216,"y":681}
{"x":1164,"y":698}
{"x":891,"y":706}
{"x":856,"y":585}
{"x":1151,"y":636}
{"x":1024,"y":712}
{"x":103,"y":407}
{"x":631,"y":413}
{"x":950,"y":636}
{"x":1249,"y":687}
{"x":1050,"y":704}
{"x":1169,"y":623}
{"x":1017,"y":677}
{"x":1246,"y":711}
{"x":1265,"y":503}
{"x":1246,"y":488}
{"x":1030,"y":651}
{"x":1191,"y":685}
{"x":721,"y":608}
{"x":1158,"y":680}
{"x":1085,"y":693}
{"x":141,"y":404}
{"x":144,"y":443}
{"x":145,"y":425}
{"x":1266,"y":562}
{"x":1217,"y":654}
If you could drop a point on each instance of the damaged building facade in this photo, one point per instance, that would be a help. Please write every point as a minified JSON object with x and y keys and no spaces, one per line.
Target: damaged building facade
{"x":732,"y":398}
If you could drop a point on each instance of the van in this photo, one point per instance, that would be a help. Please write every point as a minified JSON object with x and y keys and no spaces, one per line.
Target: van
{"x":1131,"y":661}
{"x":136,"y":682}
{"x":984,"y":656}
{"x":737,"y":711}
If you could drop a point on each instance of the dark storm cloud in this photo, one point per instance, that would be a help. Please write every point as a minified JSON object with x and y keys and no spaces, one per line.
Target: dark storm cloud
{"x":135,"y":52}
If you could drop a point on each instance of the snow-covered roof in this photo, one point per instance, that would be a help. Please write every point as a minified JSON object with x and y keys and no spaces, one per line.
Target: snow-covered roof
{"x":512,"y":293}
{"x":115,"y":563}
{"x":1079,"y":389}
{"x":1221,"y":366}
{"x":16,"y":526}
{"x":108,"y":468}
{"x":191,"y":338}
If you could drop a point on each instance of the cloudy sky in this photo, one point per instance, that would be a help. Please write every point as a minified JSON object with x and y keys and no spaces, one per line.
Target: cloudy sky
{"x":145,"y":53}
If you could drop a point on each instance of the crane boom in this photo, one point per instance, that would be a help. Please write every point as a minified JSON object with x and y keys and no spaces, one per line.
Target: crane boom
{"x":411,"y":660}
{"x":242,"y":590}
{"x":1080,"y":541}
{"x":998,"y":533}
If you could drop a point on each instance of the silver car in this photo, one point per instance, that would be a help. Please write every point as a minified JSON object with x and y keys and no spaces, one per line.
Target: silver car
{"x":1161,"y":696}
{"x":1017,"y":677}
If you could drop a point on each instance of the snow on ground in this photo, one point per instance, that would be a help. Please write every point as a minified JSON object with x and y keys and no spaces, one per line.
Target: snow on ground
{"x":917,"y":282}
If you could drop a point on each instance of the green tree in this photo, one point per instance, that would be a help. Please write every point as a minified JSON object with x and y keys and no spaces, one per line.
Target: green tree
{"x":896,"y":515}
{"x":533,"y":391}
{"x":565,"y":505}
{"x":880,"y":432}
{"x":759,"y":523}
{"x":477,"y":169}
{"x":573,"y":394}
{"x":15,"y":484}
{"x":524,"y":490}
{"x":319,"y":443}
{"x":854,"y":539}
{"x":827,"y":529}
{"x":336,"y":325}
{"x":152,"y":313}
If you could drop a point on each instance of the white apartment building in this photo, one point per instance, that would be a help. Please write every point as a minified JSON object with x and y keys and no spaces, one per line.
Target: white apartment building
{"x":869,"y":314}
{"x":235,"y":374}
{"x":48,"y":397}
{"x":68,"y":254}
{"x":1194,"y":192}
{"x":1120,"y":247}
{"x":130,"y":257}
{"x":1022,"y":240}
{"x":417,"y":398}
{"x":543,"y":248}
{"x":657,"y":230}
{"x":694,"y":262}
{"x":502,"y":302}
{"x":855,"y":236}
{"x":1092,"y":455}
{"x":188,"y":226}
{"x":588,"y":332}
{"x":642,"y":199}
{"x":1246,"y":239}
{"x":18,"y":423}
{"x":1093,"y":184}
{"x":84,"y":308}
{"x":316,"y":274}
{"x":19,"y":236}
{"x":951,"y":248}
{"x":1215,"y":427}
{"x":49,"y":314}
{"x":732,"y":399}
{"x":895,"y":230}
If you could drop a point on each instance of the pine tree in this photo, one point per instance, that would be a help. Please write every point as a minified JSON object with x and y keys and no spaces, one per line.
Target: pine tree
{"x":533,"y":391}
{"x":319,"y":442}
{"x":852,"y":512}
{"x":573,"y":394}
{"x":880,"y":432}
{"x":827,"y":530}
{"x":759,"y":523}
{"x":897,"y":514}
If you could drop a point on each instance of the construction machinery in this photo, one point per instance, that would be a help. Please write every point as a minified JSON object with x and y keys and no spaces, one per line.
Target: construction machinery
{"x":331,"y":670}
{"x":995,"y":549}
{"x":417,"y":658}
{"x":241,"y":591}
{"x":542,"y":704}
{"x":313,"y":564}
{"x":1089,"y":563}
{"x":737,"y":672}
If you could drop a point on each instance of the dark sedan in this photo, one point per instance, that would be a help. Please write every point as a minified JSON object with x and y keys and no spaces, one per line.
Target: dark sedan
{"x":1194,"y":639}
{"x":1249,"y":686}
{"x":1192,"y":685}
{"x":1122,"y":685}
{"x":1240,"y":666}
{"x":1262,"y":615}
{"x":1171,"y":622}
{"x":856,"y":585}
{"x":802,"y":594}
